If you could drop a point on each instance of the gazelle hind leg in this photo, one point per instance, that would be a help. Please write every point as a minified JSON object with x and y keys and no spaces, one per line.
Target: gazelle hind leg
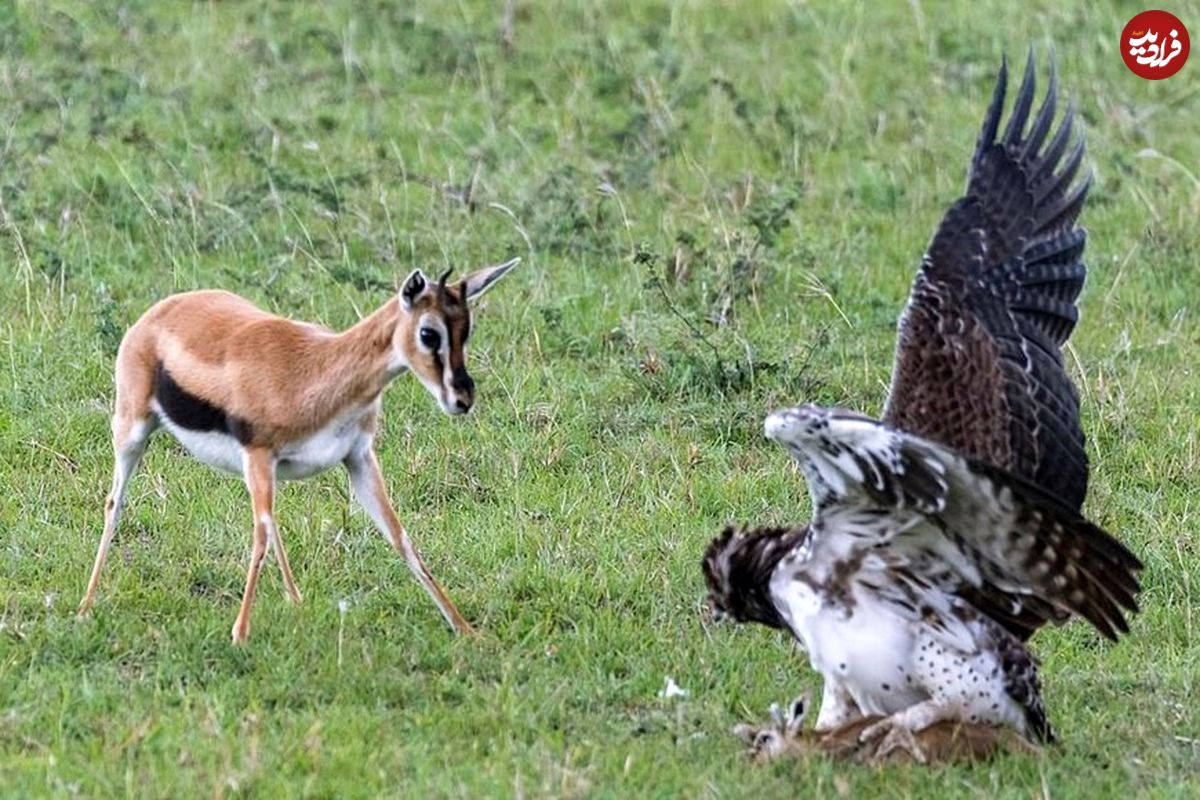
{"x":260,"y":480}
{"x":129,"y":443}
{"x":289,"y":582}
{"x":367,"y":483}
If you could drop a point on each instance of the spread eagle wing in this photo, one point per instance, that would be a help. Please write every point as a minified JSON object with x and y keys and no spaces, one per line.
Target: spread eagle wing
{"x":978,"y":364}
{"x":968,"y":527}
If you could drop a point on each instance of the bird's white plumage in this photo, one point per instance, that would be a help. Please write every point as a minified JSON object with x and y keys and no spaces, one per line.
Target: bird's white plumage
{"x":870,"y":592}
{"x":877,"y":662}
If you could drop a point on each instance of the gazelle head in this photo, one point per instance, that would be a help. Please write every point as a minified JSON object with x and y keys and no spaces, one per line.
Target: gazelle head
{"x":784,"y":735}
{"x":435,"y":323}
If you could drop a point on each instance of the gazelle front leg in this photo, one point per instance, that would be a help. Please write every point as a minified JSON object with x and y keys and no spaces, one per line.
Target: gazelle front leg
{"x":367,"y":482}
{"x":129,"y":442}
{"x":260,"y":480}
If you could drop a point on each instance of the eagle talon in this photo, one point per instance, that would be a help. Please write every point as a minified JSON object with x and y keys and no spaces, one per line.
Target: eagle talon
{"x":892,"y":735}
{"x":903,"y":739}
{"x":877,"y":730}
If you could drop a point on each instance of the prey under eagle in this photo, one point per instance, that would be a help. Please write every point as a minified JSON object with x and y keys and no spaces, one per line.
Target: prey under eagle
{"x":944,"y":534}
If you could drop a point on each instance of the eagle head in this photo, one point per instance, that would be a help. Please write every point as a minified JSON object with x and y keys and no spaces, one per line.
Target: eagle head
{"x":737,"y":569}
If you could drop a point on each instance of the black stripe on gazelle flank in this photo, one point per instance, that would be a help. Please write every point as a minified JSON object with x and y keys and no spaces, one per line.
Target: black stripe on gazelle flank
{"x":194,"y":413}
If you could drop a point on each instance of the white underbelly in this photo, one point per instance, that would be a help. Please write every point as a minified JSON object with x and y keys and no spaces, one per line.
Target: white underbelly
{"x":218,"y":450}
{"x":315,"y":453}
{"x":869,"y":652}
{"x":319,"y":451}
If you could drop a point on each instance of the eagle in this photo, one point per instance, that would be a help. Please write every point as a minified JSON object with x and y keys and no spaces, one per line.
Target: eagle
{"x":945,"y":534}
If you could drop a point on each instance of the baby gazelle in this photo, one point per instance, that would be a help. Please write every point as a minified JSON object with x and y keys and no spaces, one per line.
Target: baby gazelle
{"x":941,"y":743}
{"x":267,"y":398}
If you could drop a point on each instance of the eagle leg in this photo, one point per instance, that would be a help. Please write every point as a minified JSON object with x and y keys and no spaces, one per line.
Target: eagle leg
{"x":837,"y":707}
{"x":913,"y":719}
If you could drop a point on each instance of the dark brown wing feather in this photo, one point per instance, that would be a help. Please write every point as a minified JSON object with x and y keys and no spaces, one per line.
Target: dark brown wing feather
{"x":1076,"y":564}
{"x":978,"y":366}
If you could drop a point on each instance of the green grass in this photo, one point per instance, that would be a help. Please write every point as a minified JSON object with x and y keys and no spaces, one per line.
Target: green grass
{"x":657,"y":165}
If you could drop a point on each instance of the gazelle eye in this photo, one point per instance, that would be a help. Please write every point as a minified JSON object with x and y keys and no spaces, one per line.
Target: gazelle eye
{"x":430,"y":338}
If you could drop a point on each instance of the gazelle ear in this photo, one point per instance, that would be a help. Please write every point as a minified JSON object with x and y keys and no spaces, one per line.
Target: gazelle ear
{"x":413,"y":285}
{"x":480,"y":281}
{"x":796,"y":712}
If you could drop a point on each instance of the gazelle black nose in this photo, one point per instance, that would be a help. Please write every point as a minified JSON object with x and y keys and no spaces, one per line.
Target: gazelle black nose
{"x":463,"y":405}
{"x":460,"y":381}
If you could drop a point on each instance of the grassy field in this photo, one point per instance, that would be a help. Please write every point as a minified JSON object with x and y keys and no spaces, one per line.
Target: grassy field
{"x":719,"y":208}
